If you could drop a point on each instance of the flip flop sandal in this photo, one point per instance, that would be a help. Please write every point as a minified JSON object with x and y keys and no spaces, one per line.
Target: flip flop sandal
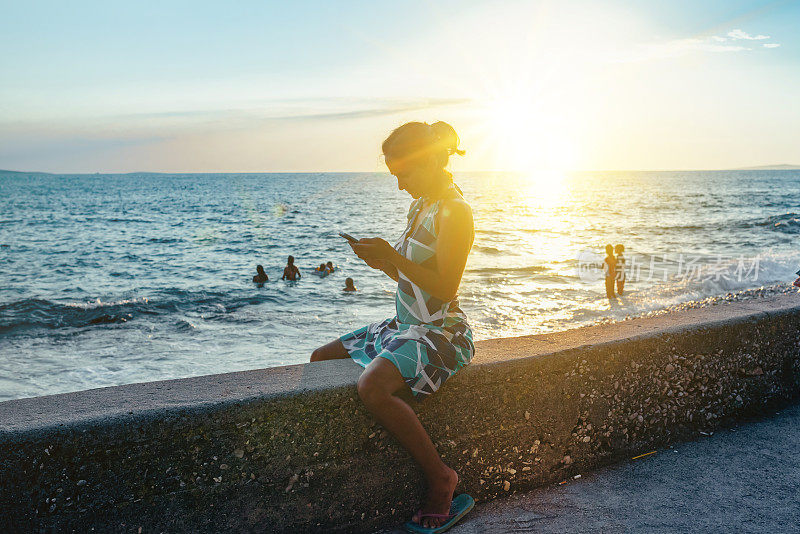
{"x":459,"y":507}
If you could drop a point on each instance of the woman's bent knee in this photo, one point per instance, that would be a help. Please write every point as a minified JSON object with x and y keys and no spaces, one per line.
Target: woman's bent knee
{"x":332,"y":351}
{"x":318,"y":355}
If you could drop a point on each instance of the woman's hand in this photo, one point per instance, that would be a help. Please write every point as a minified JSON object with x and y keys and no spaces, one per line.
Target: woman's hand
{"x":376,"y":252}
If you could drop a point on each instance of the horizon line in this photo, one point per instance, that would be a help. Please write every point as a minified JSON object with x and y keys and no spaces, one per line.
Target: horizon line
{"x":757,"y":167}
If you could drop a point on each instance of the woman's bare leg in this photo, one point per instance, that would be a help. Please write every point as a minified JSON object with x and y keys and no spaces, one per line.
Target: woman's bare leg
{"x":331,"y":351}
{"x":376,"y":387}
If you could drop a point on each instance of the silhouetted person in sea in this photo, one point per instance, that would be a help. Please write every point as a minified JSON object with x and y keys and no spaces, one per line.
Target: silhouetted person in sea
{"x":291,"y":272}
{"x":329,"y":265}
{"x":610,"y":272}
{"x":349,"y":285}
{"x":620,"y":268}
{"x":260,"y":276}
{"x":797,"y":282}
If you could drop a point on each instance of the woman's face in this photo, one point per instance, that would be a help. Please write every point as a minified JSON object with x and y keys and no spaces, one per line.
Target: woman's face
{"x":413,"y":176}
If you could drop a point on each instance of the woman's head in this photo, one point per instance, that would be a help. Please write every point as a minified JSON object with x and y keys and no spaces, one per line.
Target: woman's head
{"x":290,"y":260}
{"x":417,"y":154}
{"x":260,"y":269}
{"x":348,"y":282}
{"x":619,"y":249}
{"x":609,"y":250}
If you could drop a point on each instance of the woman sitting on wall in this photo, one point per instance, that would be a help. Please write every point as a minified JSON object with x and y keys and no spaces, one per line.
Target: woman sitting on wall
{"x":428,"y":340}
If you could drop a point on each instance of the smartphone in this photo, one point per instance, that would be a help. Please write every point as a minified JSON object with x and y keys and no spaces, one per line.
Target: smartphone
{"x":348,"y":237}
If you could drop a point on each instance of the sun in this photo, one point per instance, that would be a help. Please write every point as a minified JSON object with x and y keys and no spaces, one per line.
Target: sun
{"x":525,"y":135}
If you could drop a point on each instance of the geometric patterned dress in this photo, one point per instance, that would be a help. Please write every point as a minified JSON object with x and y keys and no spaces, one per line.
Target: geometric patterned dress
{"x":428,"y":339}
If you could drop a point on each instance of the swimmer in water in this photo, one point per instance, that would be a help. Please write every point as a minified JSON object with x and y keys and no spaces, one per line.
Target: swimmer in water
{"x":349,"y":285}
{"x":321,"y":271}
{"x":260,"y":276}
{"x":329,"y":265}
{"x":797,"y":282}
{"x":291,"y":272}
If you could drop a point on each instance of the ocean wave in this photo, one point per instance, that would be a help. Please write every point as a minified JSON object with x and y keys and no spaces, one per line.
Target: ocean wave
{"x":730,"y":275}
{"x":165,"y":240}
{"x":788,"y":223}
{"x":492,"y":271}
{"x":185,"y":326}
{"x":487,"y":250}
{"x":33,"y":313}
{"x":121,"y":220}
{"x":39,"y":313}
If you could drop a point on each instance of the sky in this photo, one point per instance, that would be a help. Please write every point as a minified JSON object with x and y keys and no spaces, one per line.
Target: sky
{"x":261,"y":86}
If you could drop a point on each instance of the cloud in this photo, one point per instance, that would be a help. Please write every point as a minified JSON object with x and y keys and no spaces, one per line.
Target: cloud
{"x":710,"y":47}
{"x":148,"y":139}
{"x":270,"y":111}
{"x":739,"y":34}
{"x":730,"y":42}
{"x":681,"y":47}
{"x":391,"y":108}
{"x":302,"y":109}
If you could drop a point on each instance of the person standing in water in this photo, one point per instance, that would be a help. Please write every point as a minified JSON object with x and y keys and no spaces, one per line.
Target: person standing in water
{"x":610,"y":272}
{"x":428,"y":339}
{"x":260,"y":276}
{"x":291,"y":272}
{"x":619,"y":268}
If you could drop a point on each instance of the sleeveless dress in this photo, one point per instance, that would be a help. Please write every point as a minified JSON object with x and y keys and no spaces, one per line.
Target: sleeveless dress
{"x":428,"y":339}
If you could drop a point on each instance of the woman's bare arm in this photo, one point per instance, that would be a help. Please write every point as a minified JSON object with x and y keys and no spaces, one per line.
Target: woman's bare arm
{"x":456,"y":234}
{"x":382,"y":265}
{"x":390,"y":270}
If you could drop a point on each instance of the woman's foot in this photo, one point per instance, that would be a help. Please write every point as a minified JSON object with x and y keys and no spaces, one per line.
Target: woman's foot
{"x":440,"y":495}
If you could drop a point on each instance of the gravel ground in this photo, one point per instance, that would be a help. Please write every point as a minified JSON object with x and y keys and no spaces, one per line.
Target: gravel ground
{"x":740,"y":479}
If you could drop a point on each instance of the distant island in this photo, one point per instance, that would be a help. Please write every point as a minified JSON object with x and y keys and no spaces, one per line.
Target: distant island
{"x":780,"y":167}
{"x":4,"y":171}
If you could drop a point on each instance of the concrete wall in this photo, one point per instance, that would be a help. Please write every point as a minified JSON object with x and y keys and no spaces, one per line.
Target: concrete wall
{"x":293,"y":449}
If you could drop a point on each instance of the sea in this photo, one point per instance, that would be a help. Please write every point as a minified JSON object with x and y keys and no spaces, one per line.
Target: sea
{"x":108,"y":279}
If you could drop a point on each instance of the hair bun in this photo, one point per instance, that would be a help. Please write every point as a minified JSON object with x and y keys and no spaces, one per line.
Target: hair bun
{"x":448,"y":137}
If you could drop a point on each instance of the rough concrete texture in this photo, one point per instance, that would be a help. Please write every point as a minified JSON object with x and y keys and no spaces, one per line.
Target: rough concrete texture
{"x":293,"y":449}
{"x":742,"y":479}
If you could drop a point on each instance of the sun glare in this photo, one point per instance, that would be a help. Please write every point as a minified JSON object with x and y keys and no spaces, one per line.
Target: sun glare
{"x":526,"y":137}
